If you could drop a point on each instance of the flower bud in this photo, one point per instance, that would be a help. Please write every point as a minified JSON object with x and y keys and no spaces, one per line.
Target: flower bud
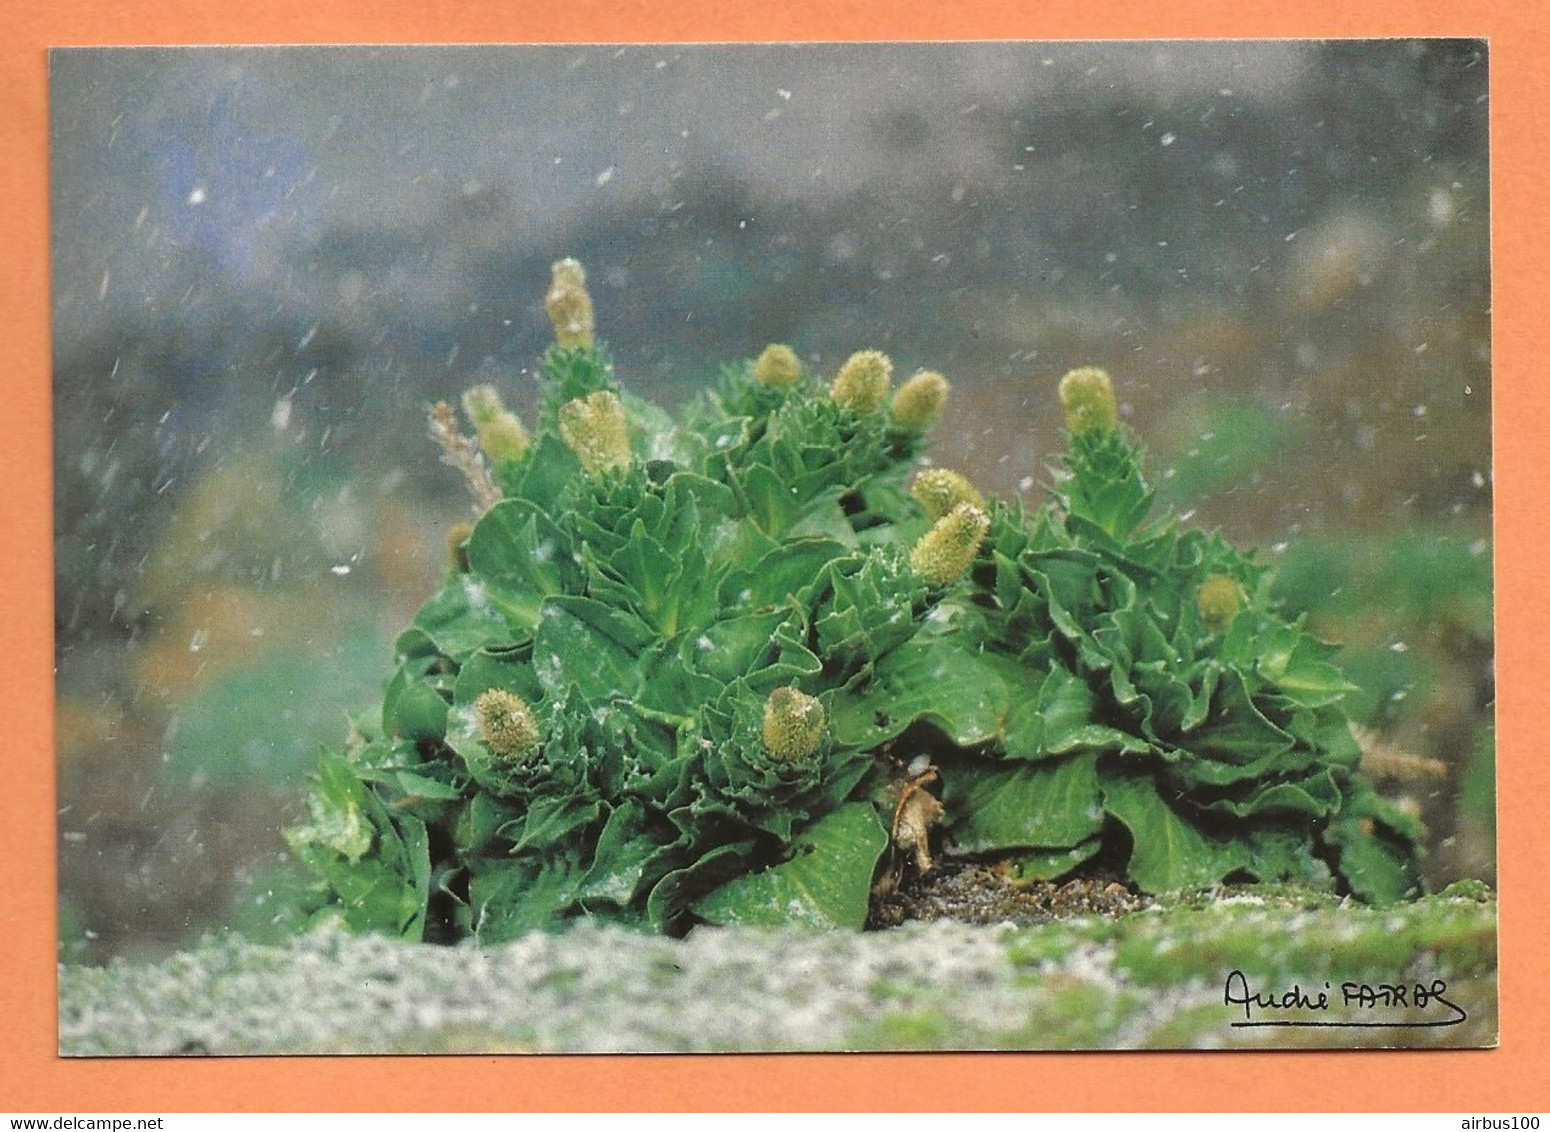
{"x":500,"y":432}
{"x":939,"y":490}
{"x":945,"y":552}
{"x":596,"y":430}
{"x":569,"y":305}
{"x":1087,"y":396}
{"x":506,"y":724}
{"x":793,"y":725}
{"x":862,"y":383}
{"x":918,"y":403}
{"x":1218,"y":601}
{"x":778,"y":367}
{"x":457,"y":546}
{"x":568,"y":272}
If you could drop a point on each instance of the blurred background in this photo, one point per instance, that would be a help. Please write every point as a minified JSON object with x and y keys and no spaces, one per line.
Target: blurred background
{"x":267,"y":262}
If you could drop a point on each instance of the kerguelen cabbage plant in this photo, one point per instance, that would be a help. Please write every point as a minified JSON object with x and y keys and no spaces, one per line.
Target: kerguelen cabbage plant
{"x":742,"y":668}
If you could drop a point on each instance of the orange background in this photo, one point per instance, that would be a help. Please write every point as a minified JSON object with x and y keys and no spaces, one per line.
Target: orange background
{"x":1512,"y":1078}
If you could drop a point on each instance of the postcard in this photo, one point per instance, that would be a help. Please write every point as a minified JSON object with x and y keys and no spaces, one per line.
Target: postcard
{"x":738,"y":548}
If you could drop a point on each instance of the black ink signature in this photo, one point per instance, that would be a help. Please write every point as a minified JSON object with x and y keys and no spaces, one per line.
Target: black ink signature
{"x":1350,"y":997}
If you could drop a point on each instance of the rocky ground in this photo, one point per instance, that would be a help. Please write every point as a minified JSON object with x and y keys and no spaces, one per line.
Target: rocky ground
{"x":1062,"y":970}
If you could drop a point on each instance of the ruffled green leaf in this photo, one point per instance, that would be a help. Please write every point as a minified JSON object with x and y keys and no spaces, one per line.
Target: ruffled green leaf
{"x":668,"y":904}
{"x":1375,"y":844}
{"x":1314,"y":796}
{"x":1057,"y":717}
{"x":510,"y":898}
{"x":936,"y":680}
{"x":825,"y":883}
{"x":787,"y":571}
{"x":630,"y":856}
{"x":596,"y":647}
{"x":994,"y":807}
{"x":384,"y":892}
{"x":1236,"y":731}
{"x":460,"y":618}
{"x":517,"y":557}
{"x":1168,"y":853}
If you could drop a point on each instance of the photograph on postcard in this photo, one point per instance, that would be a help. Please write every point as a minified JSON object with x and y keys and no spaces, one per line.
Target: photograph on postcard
{"x":699,"y":548}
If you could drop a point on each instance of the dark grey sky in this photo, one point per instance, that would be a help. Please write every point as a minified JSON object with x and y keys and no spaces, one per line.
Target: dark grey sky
{"x":248,"y":152}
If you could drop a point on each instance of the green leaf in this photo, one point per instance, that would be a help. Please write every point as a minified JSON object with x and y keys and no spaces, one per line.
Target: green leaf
{"x":1236,"y":731}
{"x":1379,"y":869}
{"x":509,"y":899}
{"x":734,"y":646}
{"x":543,"y":475}
{"x":413,"y":706}
{"x":482,"y":822}
{"x":1285,"y":855}
{"x":1046,"y":717}
{"x":935,"y":680}
{"x":419,"y":786}
{"x":711,"y":497}
{"x":825,"y":884}
{"x":337,"y":807}
{"x":992,"y":807}
{"x":417,"y":852}
{"x":1055,"y":717}
{"x":1310,"y":680}
{"x":788,"y":570}
{"x":668,"y":902}
{"x":590,"y":645}
{"x":517,"y":557}
{"x":460,"y":618}
{"x":824,"y":518}
{"x":1168,"y":853}
{"x":1051,"y":864}
{"x":1315,"y":796}
{"x":1375,"y":842}
{"x":767,"y":500}
{"x":1189,"y":770}
{"x":505,"y":667}
{"x":552,"y":820}
{"x":623,"y":863}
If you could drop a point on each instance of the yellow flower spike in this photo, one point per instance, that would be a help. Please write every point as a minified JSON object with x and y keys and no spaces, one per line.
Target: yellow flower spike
{"x":597,"y":431}
{"x":919,"y":401}
{"x":945,"y":552}
{"x":1218,"y":601}
{"x":568,"y":272}
{"x":1087,"y":396}
{"x":500,"y":431}
{"x":457,"y":551}
{"x":778,"y":367}
{"x":793,"y":725}
{"x":569,"y":305}
{"x":506,"y":724}
{"x":863,"y":381}
{"x":939,"y":490}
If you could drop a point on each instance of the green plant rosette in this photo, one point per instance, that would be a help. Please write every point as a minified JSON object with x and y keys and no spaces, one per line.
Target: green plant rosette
{"x":1081,"y":701}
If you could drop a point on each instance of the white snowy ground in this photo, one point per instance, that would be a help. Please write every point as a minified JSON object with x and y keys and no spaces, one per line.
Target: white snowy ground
{"x":1153,"y":979}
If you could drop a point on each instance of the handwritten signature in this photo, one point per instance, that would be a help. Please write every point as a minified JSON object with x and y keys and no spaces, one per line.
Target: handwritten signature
{"x":1356,"y":1003}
